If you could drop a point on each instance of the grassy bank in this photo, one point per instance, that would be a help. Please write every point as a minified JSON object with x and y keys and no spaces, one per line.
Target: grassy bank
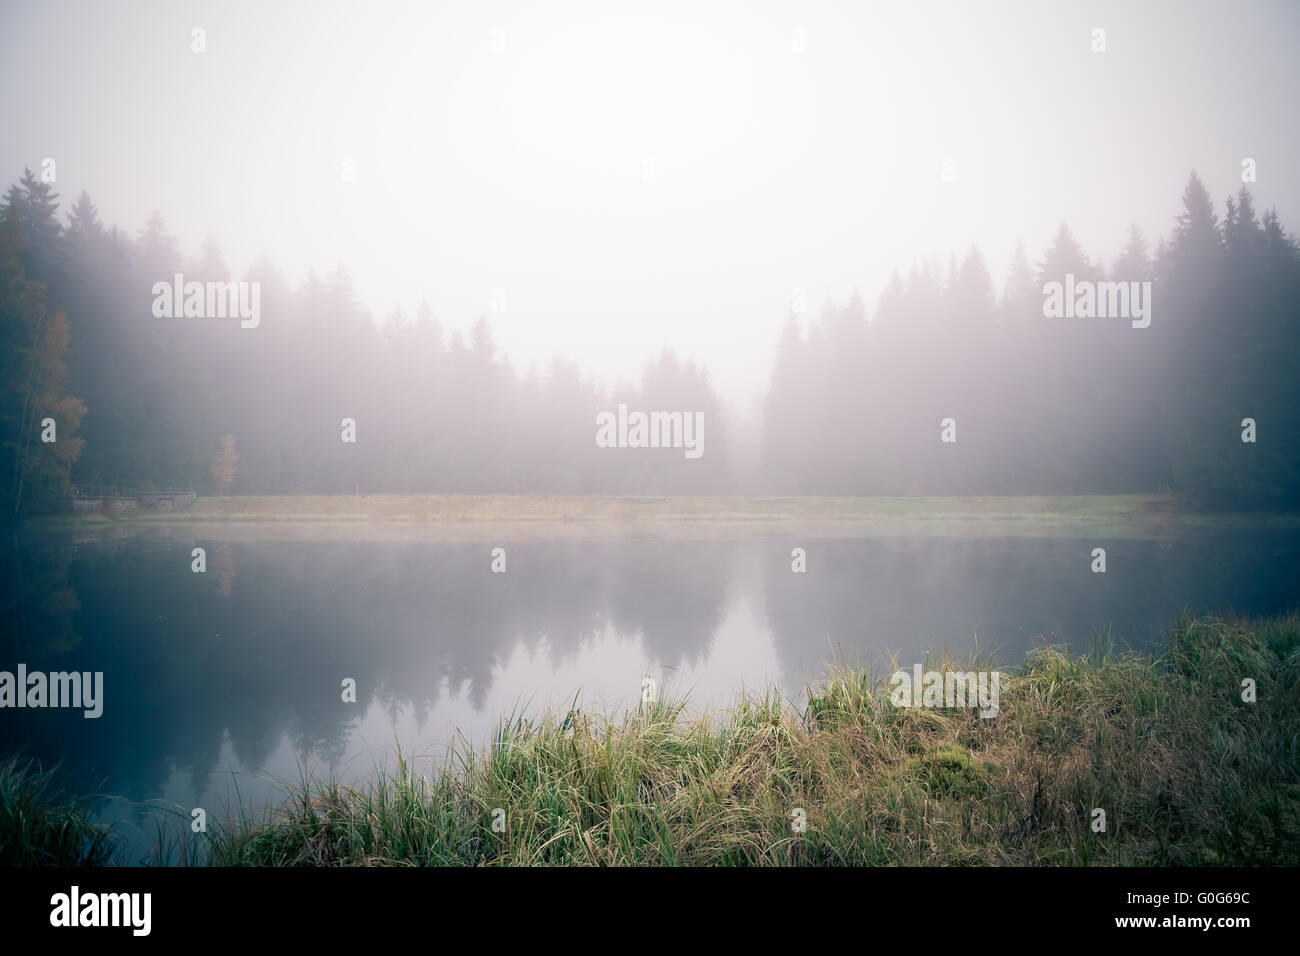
{"x":1185,"y":770}
{"x":40,"y":825}
{"x":621,"y":507}
{"x":453,"y":516}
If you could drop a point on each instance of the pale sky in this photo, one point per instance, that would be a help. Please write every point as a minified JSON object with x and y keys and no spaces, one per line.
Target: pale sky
{"x":634,"y":180}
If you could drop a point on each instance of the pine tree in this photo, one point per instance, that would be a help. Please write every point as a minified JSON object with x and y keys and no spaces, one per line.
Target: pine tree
{"x":212,"y":265}
{"x":1064,"y":256}
{"x":83,"y":223}
{"x":1133,"y":264}
{"x":1022,"y":299}
{"x":35,"y":475}
{"x":34,"y":205}
{"x":973,"y":291}
{"x":1197,"y":240}
{"x":157,"y":252}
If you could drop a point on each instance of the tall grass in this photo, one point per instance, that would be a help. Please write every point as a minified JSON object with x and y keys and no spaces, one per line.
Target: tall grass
{"x":1186,"y":771}
{"x":42,"y":826}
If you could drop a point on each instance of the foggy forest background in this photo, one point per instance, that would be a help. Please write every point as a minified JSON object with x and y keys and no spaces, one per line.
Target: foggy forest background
{"x":854,"y":404}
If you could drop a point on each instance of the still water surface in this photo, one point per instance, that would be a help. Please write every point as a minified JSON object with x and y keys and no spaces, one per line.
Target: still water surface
{"x":216,"y":685}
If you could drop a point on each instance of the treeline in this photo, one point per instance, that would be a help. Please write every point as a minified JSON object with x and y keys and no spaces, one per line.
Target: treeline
{"x":204,"y":403}
{"x":1058,"y":405}
{"x":1041,"y":405}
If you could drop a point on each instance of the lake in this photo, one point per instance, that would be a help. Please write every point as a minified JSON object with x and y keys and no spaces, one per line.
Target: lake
{"x":218,"y":684}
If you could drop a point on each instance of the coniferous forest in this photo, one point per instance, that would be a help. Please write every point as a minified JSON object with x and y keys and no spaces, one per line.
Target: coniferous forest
{"x":746,"y":433}
{"x":858,"y":392}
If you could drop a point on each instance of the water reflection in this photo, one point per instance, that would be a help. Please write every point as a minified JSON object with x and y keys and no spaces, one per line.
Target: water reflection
{"x":239,"y":669}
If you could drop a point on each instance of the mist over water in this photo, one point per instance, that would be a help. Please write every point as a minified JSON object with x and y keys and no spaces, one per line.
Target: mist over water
{"x":634,"y":178}
{"x":374,"y":375}
{"x":249,"y":670}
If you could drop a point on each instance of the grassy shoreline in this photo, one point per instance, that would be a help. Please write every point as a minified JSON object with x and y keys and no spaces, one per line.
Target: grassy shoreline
{"x":529,"y":507}
{"x":451,"y":517}
{"x":1187,"y":772}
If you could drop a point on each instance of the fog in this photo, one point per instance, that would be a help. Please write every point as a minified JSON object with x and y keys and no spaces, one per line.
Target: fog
{"x":376,"y":377}
{"x":889,"y":250}
{"x":602,"y":183}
